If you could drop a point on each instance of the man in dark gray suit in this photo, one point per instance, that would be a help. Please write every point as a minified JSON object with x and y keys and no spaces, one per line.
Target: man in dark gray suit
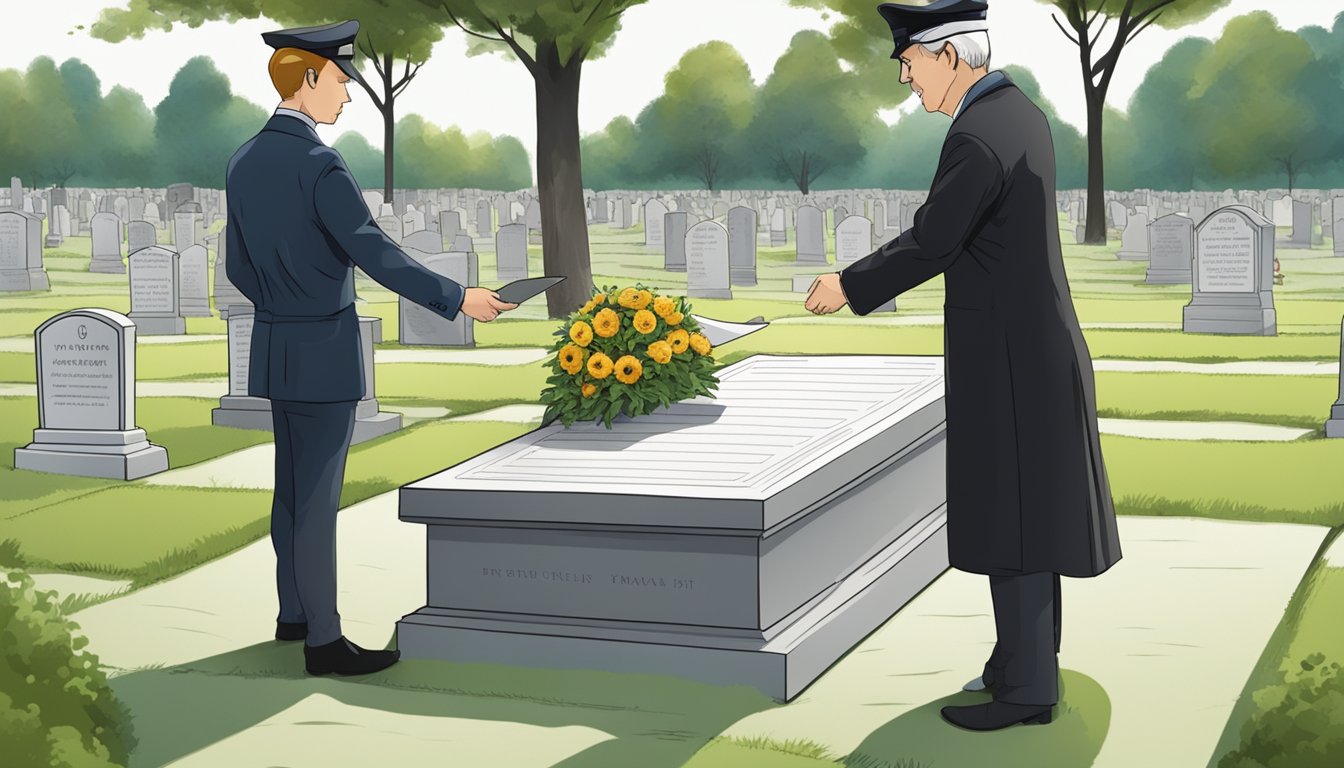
{"x":1027,"y":493}
{"x":297,"y":226}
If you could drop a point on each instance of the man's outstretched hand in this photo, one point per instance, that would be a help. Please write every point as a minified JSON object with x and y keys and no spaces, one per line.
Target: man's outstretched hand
{"x":484,"y":305}
{"x":826,"y":295}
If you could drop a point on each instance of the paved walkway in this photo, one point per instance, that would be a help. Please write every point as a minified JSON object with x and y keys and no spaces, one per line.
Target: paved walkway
{"x":1155,"y":632}
{"x":1201,"y":430}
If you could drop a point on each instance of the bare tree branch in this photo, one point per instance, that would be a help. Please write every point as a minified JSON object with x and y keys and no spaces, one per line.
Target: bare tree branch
{"x":1065,"y":31}
{"x":462,"y":27}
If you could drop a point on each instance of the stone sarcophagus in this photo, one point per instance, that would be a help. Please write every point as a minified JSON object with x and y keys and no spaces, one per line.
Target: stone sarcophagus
{"x":751,"y":539}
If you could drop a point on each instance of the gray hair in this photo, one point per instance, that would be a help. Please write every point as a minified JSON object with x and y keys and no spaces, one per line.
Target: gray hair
{"x":971,"y":47}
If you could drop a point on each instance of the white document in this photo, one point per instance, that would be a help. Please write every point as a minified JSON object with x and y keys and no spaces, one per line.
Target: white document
{"x":721,"y":332}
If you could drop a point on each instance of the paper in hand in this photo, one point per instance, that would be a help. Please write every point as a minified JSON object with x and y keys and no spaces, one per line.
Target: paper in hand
{"x":521,"y":290}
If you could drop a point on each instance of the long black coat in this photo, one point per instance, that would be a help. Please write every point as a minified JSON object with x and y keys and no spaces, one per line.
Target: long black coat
{"x":1026,"y":486}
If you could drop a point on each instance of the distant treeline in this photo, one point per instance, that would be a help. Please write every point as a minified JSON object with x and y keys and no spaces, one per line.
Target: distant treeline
{"x":56,"y":128}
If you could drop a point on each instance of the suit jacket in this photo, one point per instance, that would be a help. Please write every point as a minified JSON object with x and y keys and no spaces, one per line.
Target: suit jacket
{"x":297,"y":226}
{"x":1026,"y":486}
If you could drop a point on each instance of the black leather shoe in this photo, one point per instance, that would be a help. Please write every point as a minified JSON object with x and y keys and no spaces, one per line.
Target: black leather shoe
{"x":997,"y":715}
{"x":291,"y":630}
{"x":343,"y":657}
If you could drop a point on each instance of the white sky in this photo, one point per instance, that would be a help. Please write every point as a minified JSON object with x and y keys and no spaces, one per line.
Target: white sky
{"x":494,"y":94}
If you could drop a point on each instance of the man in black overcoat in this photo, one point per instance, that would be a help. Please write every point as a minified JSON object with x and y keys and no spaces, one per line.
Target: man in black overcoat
{"x":1027,"y":494}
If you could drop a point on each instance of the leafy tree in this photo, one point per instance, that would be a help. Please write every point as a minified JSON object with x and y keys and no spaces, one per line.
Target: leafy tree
{"x":393,"y":35}
{"x":694,"y":128}
{"x":552,"y":39}
{"x":431,"y":157}
{"x":1161,"y":112}
{"x":200,"y":124}
{"x":1282,"y":129}
{"x":1087,"y":22}
{"x":810,"y":118}
{"x":364,"y":160}
{"x":611,"y":156}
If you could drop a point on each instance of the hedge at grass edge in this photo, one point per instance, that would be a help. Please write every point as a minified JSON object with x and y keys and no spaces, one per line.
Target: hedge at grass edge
{"x":56,"y":708}
{"x":1300,"y":723}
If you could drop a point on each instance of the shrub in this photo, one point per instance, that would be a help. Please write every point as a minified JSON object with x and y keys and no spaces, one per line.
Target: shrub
{"x":55,"y":705}
{"x":1302,"y":724}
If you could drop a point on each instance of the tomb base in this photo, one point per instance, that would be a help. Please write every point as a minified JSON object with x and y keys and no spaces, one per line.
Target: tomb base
{"x":159,"y":325}
{"x":107,"y":266}
{"x":1235,"y":320}
{"x":1335,"y":426}
{"x":243,"y":412}
{"x":1160,"y":276}
{"x":24,"y":280}
{"x":112,"y":454}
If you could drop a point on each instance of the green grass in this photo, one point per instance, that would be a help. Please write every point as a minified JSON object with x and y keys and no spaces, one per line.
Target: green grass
{"x":433,"y":383}
{"x":1297,"y":401}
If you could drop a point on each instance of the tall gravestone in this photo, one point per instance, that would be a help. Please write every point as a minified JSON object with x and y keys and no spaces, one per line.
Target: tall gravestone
{"x":708,"y":272}
{"x":175,"y":196}
{"x":1171,"y":250}
{"x":779,"y":228}
{"x":194,"y":293}
{"x":419,"y":326}
{"x":675,"y":225}
{"x":106,"y":229}
{"x":1337,"y":224}
{"x":1233,"y":290}
{"x":511,"y":252}
{"x":654,"y":213}
{"x":1335,"y":427}
{"x":155,"y":285}
{"x":238,"y":409}
{"x":412,"y":221}
{"x":21,"y":253}
{"x":86,"y":400}
{"x":15,"y":193}
{"x":853,"y":239}
{"x":450,"y":226}
{"x":1300,"y":237}
{"x":742,"y":245}
{"x":188,"y":226}
{"x":811,"y":235}
{"x":140,"y":234}
{"x":484,"y":226}
{"x":1134,"y":240}
{"x":370,"y":422}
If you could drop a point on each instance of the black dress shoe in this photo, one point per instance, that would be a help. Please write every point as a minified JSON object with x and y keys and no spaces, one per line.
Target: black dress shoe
{"x":996,"y":715}
{"x":343,"y":657}
{"x":291,"y":630}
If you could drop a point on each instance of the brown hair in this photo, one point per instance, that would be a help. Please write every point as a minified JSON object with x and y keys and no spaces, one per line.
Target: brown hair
{"x":288,"y":67}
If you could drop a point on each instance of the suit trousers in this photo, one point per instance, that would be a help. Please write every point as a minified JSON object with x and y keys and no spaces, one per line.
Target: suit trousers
{"x":311,"y":440}
{"x":1024,"y":667}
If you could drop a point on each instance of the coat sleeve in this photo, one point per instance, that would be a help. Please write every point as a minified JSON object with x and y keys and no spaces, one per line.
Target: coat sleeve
{"x":968,"y":180}
{"x":237,"y":261}
{"x":345,"y":217}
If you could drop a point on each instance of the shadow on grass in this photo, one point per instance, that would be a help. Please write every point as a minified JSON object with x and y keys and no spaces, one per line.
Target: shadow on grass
{"x":921,"y":737}
{"x":652,"y":722}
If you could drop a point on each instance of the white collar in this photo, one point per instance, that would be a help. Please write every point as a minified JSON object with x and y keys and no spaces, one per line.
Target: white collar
{"x":297,"y":115}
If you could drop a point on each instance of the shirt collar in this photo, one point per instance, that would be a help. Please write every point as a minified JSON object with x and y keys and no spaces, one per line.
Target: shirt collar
{"x":981,"y":87}
{"x":294,"y":113}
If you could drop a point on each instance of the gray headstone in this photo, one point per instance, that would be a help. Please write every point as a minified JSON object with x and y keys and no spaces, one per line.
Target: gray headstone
{"x":194,"y":269}
{"x":675,"y":225}
{"x":779,"y":230}
{"x":1171,"y":250}
{"x":654,"y":213}
{"x":226,"y":294}
{"x":811,"y":235}
{"x":1134,"y":241}
{"x":450,"y":226}
{"x":462,"y":244}
{"x":511,"y":252}
{"x":424,"y":241}
{"x":484,"y":226}
{"x":155,"y":292}
{"x":1233,"y":290}
{"x":238,"y":409}
{"x":1334,"y":427}
{"x":742,"y":244}
{"x":421,"y":326}
{"x":86,"y":400}
{"x":708,"y":274}
{"x":106,"y":244}
{"x":370,"y":422}
{"x":140,"y":234}
{"x":21,"y":253}
{"x":853,"y":239}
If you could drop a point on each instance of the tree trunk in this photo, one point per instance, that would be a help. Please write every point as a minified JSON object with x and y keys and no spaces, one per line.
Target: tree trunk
{"x":1096,"y":169}
{"x":802,"y":177}
{"x":389,"y":122}
{"x":564,"y":227}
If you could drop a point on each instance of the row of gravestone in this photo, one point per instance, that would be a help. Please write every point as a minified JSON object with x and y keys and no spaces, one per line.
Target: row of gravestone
{"x":86,"y":377}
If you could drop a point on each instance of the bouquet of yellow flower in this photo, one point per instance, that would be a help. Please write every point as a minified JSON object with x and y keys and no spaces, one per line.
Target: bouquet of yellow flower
{"x":626,"y":351}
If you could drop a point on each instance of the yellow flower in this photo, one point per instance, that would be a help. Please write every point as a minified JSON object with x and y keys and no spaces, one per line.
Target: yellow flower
{"x":643,"y":300}
{"x":628,"y":298}
{"x":587,"y":308}
{"x":679,"y":340}
{"x":599,"y":299}
{"x":660,"y":352}
{"x":645,"y":322}
{"x":581,"y":333}
{"x":674,"y":318}
{"x":599,"y":366}
{"x":606,"y":323}
{"x":589,"y":389}
{"x":700,"y":344}
{"x":628,"y":369}
{"x":663,"y":306}
{"x":571,"y":358}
